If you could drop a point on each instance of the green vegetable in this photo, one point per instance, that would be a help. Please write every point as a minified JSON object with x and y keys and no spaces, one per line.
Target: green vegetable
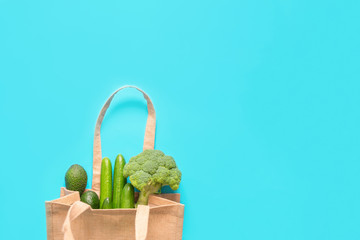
{"x":91,"y":198}
{"x":106,"y":204}
{"x":149,"y":171}
{"x":127,"y":196}
{"x":105,"y":181}
{"x":119,"y":180}
{"x":76,"y":178}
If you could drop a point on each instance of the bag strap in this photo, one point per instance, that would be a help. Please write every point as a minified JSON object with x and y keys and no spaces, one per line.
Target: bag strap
{"x":78,"y":208}
{"x":74,"y":212}
{"x":149,"y":138}
{"x":141,"y":222}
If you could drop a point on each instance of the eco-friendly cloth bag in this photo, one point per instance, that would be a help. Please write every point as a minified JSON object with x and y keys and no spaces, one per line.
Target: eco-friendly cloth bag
{"x":68,"y":218}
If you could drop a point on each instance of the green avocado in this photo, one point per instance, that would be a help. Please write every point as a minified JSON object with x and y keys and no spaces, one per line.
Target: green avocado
{"x":76,"y":178}
{"x":91,"y":198}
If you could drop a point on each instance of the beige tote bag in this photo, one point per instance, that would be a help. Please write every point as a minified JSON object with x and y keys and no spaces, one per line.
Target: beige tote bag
{"x":68,"y":218}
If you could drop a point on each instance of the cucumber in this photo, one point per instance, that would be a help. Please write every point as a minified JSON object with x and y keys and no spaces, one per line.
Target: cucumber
{"x":127,"y":196}
{"x":105,"y":181}
{"x":106,"y":204}
{"x":119,"y":180}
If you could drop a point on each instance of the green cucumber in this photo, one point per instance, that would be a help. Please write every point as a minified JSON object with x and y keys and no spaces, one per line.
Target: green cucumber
{"x":105,"y":181}
{"x":106,"y":204}
{"x":119,"y":180}
{"x":127,"y":196}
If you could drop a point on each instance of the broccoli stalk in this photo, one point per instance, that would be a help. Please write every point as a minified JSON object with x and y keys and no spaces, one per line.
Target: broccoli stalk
{"x":145,"y":193}
{"x":149,"y":171}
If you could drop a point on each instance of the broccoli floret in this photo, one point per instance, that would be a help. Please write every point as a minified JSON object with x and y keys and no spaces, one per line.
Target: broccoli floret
{"x":149,"y":171}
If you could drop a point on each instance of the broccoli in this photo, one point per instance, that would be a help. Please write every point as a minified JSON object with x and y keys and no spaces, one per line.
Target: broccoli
{"x":149,"y":171}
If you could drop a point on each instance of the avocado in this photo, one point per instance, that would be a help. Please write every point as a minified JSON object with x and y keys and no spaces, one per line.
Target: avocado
{"x":76,"y":178}
{"x":91,"y":198}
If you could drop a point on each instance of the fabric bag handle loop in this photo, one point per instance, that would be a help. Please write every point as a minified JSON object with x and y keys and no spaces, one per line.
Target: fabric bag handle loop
{"x":78,"y":208}
{"x":149,"y":139}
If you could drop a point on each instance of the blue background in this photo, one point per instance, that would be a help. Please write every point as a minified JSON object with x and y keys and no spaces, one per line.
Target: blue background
{"x":258,"y":101}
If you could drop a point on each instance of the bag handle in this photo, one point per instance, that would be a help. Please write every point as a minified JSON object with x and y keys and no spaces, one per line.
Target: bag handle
{"x":78,"y":208}
{"x":141,"y":222}
{"x":74,"y":212}
{"x":149,"y":139}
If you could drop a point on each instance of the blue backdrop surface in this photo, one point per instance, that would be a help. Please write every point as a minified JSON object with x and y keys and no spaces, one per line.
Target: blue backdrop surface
{"x":258,"y":102}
